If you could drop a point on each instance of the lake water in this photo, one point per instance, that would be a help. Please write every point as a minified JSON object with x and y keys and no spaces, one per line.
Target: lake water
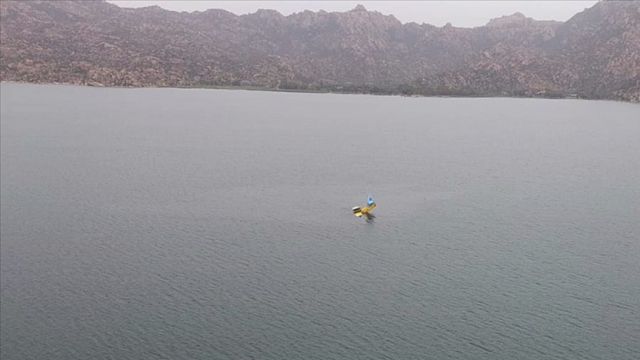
{"x":216,"y":224}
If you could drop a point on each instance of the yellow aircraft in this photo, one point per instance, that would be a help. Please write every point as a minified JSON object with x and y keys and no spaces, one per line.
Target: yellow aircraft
{"x":365,"y":211}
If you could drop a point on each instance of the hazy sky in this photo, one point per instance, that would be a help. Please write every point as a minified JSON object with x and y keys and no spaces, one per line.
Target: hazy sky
{"x":458,"y":13}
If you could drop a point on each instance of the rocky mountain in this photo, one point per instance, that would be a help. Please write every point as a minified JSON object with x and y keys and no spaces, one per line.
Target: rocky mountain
{"x":595,"y":54}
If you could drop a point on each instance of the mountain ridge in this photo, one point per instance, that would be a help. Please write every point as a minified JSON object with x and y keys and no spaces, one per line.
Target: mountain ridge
{"x":98,"y":43}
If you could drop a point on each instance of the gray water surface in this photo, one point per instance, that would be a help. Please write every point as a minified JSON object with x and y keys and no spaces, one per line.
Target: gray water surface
{"x":216,"y":224}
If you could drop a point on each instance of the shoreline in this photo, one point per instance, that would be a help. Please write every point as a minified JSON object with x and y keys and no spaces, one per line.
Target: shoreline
{"x":318,"y":91}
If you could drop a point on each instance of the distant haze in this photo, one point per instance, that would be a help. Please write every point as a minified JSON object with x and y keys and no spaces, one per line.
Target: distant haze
{"x":458,"y":13}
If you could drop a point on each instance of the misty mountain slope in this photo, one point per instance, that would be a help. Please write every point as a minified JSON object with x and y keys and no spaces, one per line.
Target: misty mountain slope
{"x":594,"y":55}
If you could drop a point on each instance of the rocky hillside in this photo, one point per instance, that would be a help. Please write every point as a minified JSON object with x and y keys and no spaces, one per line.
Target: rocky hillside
{"x":596,"y":54}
